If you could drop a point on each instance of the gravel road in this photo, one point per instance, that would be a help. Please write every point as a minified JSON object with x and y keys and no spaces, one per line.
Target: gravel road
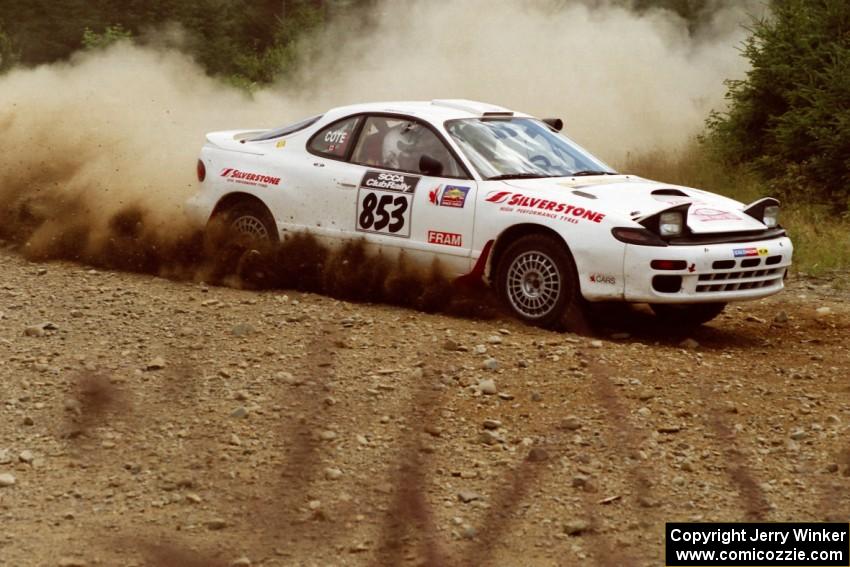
{"x":149,"y":422}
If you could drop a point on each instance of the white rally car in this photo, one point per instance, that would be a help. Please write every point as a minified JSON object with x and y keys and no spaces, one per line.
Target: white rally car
{"x":499,"y":196}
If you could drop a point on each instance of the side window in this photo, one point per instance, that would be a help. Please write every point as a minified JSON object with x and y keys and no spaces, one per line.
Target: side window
{"x":334,"y":140}
{"x":398,"y":143}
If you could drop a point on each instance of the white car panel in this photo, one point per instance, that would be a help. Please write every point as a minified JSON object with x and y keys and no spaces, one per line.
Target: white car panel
{"x":462,"y":222}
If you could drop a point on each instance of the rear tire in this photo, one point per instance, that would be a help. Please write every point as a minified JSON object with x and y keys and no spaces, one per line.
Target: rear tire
{"x":537,"y":281}
{"x":688,"y":315}
{"x":248,"y":223}
{"x":244,"y":236}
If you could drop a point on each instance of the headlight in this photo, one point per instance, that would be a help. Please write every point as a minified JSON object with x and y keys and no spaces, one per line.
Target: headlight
{"x":771,"y":216}
{"x":670,"y":224}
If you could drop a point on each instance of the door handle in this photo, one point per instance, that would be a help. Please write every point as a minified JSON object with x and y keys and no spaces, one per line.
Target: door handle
{"x":346,"y":185}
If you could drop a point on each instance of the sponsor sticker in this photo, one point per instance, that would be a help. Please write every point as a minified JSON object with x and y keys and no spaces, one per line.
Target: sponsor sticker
{"x":705,"y":214}
{"x":337,"y":136}
{"x":603,"y":279}
{"x":390,"y":181}
{"x":449,"y":196}
{"x":385,"y":203}
{"x":248,"y":178}
{"x":445,"y":238}
{"x":280,"y":145}
{"x":749,"y":252}
{"x":537,"y":206}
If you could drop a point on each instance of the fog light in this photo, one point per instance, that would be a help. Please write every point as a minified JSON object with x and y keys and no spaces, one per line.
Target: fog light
{"x":670,"y":224}
{"x":667,"y":284}
{"x":668,"y":264}
{"x":771,"y":216}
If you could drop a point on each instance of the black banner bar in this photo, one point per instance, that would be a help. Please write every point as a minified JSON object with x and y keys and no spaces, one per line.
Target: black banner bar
{"x":757,"y":544}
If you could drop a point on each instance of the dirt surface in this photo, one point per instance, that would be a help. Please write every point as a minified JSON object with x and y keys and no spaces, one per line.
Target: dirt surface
{"x":151,"y":422}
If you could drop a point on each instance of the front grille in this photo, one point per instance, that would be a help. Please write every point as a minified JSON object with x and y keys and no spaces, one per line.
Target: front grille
{"x":734,"y":278}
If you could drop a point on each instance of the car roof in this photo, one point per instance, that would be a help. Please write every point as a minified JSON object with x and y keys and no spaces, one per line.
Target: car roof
{"x":434,"y":110}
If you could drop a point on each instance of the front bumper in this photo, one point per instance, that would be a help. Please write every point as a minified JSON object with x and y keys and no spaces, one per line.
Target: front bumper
{"x":712,"y":273}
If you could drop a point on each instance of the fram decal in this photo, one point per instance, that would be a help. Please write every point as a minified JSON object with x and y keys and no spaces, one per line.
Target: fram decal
{"x":603,"y":279}
{"x":248,"y":178}
{"x":542,"y":207}
{"x":445,"y":238}
{"x":449,"y":196}
{"x":705,"y":214}
{"x":748,"y":252}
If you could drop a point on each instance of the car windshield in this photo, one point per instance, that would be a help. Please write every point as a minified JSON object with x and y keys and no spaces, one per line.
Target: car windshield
{"x":521,"y":147}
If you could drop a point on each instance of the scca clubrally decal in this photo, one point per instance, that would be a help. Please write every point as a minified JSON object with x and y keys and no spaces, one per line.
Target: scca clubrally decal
{"x":390,"y":181}
{"x":385,"y":203}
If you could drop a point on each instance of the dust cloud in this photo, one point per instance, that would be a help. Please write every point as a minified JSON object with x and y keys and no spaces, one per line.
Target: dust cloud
{"x":100,"y":150}
{"x":623,"y":81}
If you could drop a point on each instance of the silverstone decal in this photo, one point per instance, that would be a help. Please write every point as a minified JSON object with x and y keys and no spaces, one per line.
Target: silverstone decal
{"x":445,"y":238}
{"x":385,"y":203}
{"x":248,"y":178}
{"x":603,"y":279}
{"x":705,"y":214}
{"x":523,"y":204}
{"x":749,"y":252}
{"x":449,"y":196}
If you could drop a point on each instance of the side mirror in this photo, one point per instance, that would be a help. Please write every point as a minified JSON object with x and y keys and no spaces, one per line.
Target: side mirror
{"x":430,"y":166}
{"x":556,"y":123}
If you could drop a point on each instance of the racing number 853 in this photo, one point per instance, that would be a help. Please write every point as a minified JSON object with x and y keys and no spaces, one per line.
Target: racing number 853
{"x":375,"y":215}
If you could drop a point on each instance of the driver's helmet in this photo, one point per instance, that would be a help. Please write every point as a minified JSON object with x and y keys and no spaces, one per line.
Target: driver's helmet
{"x":399,"y":143}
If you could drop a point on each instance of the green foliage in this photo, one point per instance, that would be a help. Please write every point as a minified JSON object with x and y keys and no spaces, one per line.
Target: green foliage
{"x":790,"y":117}
{"x":8,"y":55}
{"x":245,"y":41}
{"x":112,"y":34}
{"x":691,"y":10}
{"x":280,"y":56}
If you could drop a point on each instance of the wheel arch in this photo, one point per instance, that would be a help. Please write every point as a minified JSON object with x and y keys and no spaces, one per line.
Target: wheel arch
{"x":512,"y":234}
{"x":231,"y":199}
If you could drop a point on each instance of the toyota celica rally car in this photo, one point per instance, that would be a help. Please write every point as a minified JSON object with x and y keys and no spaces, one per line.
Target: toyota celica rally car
{"x":497,"y":196}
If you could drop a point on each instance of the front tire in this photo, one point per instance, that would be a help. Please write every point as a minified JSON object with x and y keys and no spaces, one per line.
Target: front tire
{"x":688,"y":315}
{"x":537,"y":281}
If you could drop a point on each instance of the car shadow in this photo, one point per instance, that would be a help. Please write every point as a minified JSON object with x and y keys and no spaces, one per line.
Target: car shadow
{"x":636,"y":322}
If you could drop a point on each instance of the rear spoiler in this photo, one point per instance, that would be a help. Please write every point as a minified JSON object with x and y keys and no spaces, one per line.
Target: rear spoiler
{"x":234,"y":141}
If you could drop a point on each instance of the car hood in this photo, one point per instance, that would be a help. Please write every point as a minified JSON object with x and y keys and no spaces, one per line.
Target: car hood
{"x":634,"y":197}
